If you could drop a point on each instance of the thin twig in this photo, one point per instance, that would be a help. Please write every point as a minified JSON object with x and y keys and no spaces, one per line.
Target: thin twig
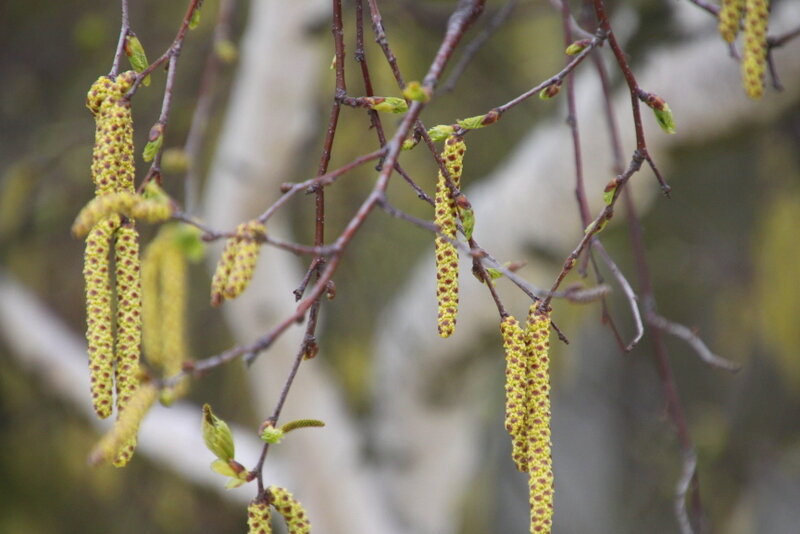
{"x":125,"y":28}
{"x":689,"y":336}
{"x":472,"y":48}
{"x":627,"y":289}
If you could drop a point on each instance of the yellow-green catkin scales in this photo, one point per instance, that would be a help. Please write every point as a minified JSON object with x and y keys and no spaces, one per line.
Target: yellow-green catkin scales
{"x":516,"y":345}
{"x":754,"y":57}
{"x":112,"y":157}
{"x":730,"y":14}
{"x":445,"y":252}
{"x":164,"y":280}
{"x":244,"y":264}
{"x":124,"y":203}
{"x":99,"y":320}
{"x":292,"y":511}
{"x":258,"y":518}
{"x":129,"y":325}
{"x":237,"y":263}
{"x":540,"y":461}
{"x":116,"y":441}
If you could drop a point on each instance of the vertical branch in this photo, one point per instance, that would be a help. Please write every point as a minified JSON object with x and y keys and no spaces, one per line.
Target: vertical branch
{"x":123,"y":34}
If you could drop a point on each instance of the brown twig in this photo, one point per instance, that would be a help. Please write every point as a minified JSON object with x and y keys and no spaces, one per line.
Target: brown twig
{"x":470,"y":50}
{"x":125,"y":28}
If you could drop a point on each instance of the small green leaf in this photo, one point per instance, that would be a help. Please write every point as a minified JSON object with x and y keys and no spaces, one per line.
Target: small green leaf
{"x":154,"y":141}
{"x":472,"y":123}
{"x":577,"y":47}
{"x":408,"y":144}
{"x":272,"y":435}
{"x":188,"y":239}
{"x":223,"y":468}
{"x":415,"y":91}
{"x":194,"y":22}
{"x":468,"y":220}
{"x":217,"y":435}
{"x":136,"y":55}
{"x":389,"y":104}
{"x":235,"y":483}
{"x":665,"y":118}
{"x":441,"y":132}
{"x":493,"y":273}
{"x":608,"y":192}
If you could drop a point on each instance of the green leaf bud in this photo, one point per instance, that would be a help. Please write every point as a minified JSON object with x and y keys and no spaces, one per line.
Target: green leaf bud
{"x":217,"y":435}
{"x":441,"y":132}
{"x":154,"y":141}
{"x":415,"y":91}
{"x":389,"y":104}
{"x":135,"y":52}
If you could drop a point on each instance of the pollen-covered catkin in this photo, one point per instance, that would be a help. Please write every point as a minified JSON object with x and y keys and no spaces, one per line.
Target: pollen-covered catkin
{"x":754,"y":57}
{"x":516,"y":344}
{"x":730,"y":14}
{"x":237,"y":263}
{"x":129,"y":324}
{"x":112,"y":157}
{"x":445,"y":252}
{"x":258,"y":518}
{"x":164,"y":308}
{"x":540,"y":461}
{"x":124,"y":203}
{"x":292,"y":511}
{"x":126,"y":426}
{"x":99,"y":319}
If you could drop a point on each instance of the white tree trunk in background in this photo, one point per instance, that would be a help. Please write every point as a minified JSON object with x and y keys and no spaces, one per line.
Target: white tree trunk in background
{"x":426,"y":454}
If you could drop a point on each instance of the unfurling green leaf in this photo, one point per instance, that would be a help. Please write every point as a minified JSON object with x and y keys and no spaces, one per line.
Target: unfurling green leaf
{"x":493,"y":273}
{"x":135,"y":52}
{"x":415,"y":91}
{"x":440,"y":132}
{"x":194,"y":22}
{"x":217,"y":435}
{"x":154,"y":142}
{"x":389,"y":104}
{"x":665,"y":118}
{"x":271,"y":435}
{"x":468,"y":221}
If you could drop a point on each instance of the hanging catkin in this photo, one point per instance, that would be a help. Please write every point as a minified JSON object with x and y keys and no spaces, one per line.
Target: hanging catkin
{"x":516,"y":343}
{"x":754,"y":57}
{"x":237,"y":263}
{"x":540,"y":463}
{"x":258,"y":518}
{"x":445,"y":252}
{"x":99,"y":319}
{"x":292,"y":511}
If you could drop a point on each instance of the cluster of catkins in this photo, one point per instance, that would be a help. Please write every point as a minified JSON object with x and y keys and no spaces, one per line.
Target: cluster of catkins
{"x":113,"y":316}
{"x":446,"y":216}
{"x":754,"y":58}
{"x":528,"y":409}
{"x":259,"y":513}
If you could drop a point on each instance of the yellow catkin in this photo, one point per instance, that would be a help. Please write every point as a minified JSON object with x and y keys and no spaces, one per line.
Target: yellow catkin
{"x":112,"y":157}
{"x":124,"y":203}
{"x":237,"y":262}
{"x":258,"y":518}
{"x":99,"y":320}
{"x":244,"y":264}
{"x":730,"y":14}
{"x":445,"y":252}
{"x":125,"y":427}
{"x":129,"y":324}
{"x":164,"y":308}
{"x":516,"y":344}
{"x":540,"y":461}
{"x":292,"y":511}
{"x":754,"y":57}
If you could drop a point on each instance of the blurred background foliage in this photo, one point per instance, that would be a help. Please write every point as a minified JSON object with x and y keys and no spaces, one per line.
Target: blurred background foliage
{"x":723,"y":252}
